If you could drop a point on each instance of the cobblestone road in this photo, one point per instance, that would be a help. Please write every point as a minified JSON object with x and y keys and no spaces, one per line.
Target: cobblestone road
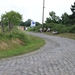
{"x":57,"y":57}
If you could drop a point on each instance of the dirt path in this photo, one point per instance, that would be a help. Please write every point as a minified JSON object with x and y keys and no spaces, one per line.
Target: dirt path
{"x":57,"y":57}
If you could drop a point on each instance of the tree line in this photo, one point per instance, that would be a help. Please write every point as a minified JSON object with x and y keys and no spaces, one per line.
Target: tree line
{"x":12,"y":18}
{"x":64,"y":19}
{"x":63,"y":24}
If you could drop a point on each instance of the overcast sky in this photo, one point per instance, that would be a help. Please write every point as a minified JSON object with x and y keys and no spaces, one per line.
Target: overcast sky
{"x":32,"y":9}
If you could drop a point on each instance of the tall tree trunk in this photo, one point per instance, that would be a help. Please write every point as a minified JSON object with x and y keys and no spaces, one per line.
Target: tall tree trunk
{"x":9,"y":26}
{"x":2,"y":26}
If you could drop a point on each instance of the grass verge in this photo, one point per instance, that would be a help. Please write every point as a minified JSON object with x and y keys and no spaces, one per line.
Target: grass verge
{"x":30,"y":43}
{"x":66,"y":35}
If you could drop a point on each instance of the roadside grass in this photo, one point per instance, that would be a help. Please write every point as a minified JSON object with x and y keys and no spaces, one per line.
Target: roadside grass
{"x":66,"y":35}
{"x":35,"y":44}
{"x":25,"y":44}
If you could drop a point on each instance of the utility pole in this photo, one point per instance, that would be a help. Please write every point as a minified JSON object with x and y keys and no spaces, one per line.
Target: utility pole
{"x":43,"y":14}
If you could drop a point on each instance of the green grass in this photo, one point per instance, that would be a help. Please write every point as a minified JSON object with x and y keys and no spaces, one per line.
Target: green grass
{"x":35,"y":44}
{"x":66,"y":35}
{"x":30,"y":43}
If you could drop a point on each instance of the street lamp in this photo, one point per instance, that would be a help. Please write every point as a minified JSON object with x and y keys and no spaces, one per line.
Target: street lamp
{"x":43,"y":14}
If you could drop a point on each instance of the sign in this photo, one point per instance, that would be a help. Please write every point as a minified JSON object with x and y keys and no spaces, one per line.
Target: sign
{"x":33,"y":23}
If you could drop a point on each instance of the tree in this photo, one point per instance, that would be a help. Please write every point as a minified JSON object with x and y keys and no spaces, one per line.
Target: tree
{"x":2,"y":22}
{"x":73,"y":8}
{"x":22,"y":23}
{"x":28,"y":22}
{"x":48,"y":20}
{"x":53,"y":18}
{"x":72,"y":17}
{"x":65,"y":18}
{"x":52,"y":15}
{"x":2,"y":26}
{"x":37,"y":23}
{"x":11,"y":18}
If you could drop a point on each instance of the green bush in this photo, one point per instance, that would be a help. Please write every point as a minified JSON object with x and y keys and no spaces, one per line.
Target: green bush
{"x":59,"y":27}
{"x":72,"y":29}
{"x":14,"y":34}
{"x":36,"y":28}
{"x":53,"y":26}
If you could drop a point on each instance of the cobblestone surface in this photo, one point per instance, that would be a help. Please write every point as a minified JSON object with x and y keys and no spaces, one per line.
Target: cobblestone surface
{"x":57,"y":57}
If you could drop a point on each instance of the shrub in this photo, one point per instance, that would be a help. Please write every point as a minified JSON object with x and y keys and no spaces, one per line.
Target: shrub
{"x":72,"y":29}
{"x":15,"y":34}
{"x":36,"y":28}
{"x":58,"y":27}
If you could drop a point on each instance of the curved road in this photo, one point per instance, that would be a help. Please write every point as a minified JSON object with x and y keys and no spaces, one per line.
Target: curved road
{"x":57,"y":57}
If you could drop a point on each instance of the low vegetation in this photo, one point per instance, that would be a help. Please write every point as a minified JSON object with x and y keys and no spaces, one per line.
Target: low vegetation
{"x":18,"y":42}
{"x":66,"y":35}
{"x":58,"y":27}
